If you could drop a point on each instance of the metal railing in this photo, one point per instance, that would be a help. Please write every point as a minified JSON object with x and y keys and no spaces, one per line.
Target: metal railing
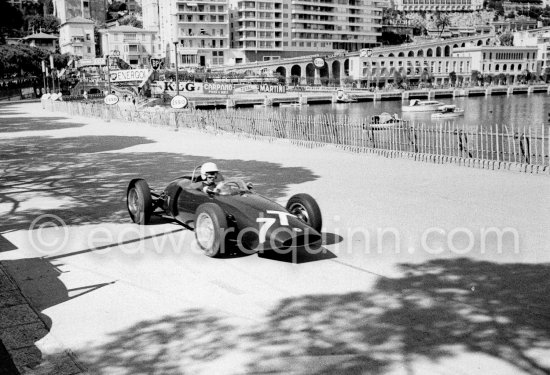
{"x":525,"y":148}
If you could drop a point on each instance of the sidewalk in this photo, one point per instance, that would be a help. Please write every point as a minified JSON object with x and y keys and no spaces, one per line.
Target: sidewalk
{"x":20,"y":327}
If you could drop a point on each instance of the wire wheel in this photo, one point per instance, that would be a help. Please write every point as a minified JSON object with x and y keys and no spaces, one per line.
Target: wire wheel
{"x":204,"y":231}
{"x":210,"y":229}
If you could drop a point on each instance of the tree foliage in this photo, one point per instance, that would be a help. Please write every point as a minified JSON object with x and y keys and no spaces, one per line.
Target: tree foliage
{"x":11,"y":20}
{"x":48,"y":24}
{"x":18,"y":59}
{"x":131,"y":20}
{"x":506,"y":39}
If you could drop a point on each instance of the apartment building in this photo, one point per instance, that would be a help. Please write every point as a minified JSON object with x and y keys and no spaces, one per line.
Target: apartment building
{"x":198,"y":30}
{"x":135,"y":46}
{"x":90,"y":9}
{"x":215,"y":32}
{"x":439,"y":5}
{"x":264,"y":30}
{"x":76,"y":37}
{"x":539,"y":38}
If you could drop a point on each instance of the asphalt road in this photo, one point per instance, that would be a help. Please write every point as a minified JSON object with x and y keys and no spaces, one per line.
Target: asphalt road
{"x":412,"y":277}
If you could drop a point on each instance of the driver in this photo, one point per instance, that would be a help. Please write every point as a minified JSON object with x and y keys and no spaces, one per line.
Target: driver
{"x":209,"y":176}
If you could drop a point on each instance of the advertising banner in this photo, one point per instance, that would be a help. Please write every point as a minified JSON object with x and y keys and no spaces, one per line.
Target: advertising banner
{"x":217,"y":88}
{"x":129,"y":75}
{"x":185,"y":86}
{"x":157,"y":63}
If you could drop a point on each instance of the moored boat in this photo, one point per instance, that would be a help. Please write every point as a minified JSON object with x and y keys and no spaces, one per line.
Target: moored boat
{"x":417,"y":105}
{"x":385,"y":121}
{"x":448,"y":111}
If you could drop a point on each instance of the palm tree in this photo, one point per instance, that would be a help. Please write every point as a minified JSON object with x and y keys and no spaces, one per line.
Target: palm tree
{"x":441,"y":22}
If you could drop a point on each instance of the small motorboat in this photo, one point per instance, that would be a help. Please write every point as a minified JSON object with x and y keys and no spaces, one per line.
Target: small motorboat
{"x":448,"y":111}
{"x":385,"y":121}
{"x":344,"y":97}
{"x":417,"y":105}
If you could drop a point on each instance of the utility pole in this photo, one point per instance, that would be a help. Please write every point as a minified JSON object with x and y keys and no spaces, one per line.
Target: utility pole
{"x":177,"y":73}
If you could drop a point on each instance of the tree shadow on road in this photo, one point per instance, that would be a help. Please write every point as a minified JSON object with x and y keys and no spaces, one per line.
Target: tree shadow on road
{"x":438,"y":310}
{"x":86,"y":177}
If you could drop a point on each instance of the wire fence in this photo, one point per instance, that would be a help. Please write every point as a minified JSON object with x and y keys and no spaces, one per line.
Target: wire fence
{"x":523,"y":148}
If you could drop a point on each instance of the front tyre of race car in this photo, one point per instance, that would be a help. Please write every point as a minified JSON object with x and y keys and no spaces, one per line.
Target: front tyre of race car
{"x":139,"y":201}
{"x":306,"y":209}
{"x":210,"y":229}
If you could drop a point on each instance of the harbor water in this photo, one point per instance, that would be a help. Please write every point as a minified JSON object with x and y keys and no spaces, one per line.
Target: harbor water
{"x":503,"y":111}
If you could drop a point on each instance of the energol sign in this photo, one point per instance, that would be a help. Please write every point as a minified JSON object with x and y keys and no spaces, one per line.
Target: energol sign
{"x":129,"y":75}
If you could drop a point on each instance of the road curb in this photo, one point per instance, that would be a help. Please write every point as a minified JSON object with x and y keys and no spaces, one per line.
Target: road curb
{"x":20,"y":327}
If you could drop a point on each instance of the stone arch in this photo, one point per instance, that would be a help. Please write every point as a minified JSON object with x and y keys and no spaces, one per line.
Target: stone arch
{"x":281,"y":70}
{"x":519,"y":67}
{"x":455,"y":45}
{"x":504,"y":67}
{"x":497,"y":67}
{"x":336,"y":69}
{"x":429,"y":52}
{"x":447,"y":51}
{"x":310,"y":73}
{"x":512,"y":66}
{"x":463,"y":45}
{"x":346,"y":67}
{"x":391,"y":55}
{"x":487,"y":41}
{"x":324,"y":73}
{"x":401,"y":54}
{"x":410,"y":54}
{"x":438,"y":52}
{"x":296,"y":70}
{"x":420,"y":53}
{"x":480,"y":42}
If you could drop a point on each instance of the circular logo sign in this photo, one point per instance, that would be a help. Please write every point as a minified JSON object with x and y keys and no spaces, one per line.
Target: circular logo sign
{"x":319,"y":62}
{"x":365,"y":53}
{"x":111,"y":99}
{"x":178,"y":102}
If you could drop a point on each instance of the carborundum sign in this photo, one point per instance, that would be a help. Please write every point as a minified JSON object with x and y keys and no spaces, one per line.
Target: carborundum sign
{"x":129,"y":75}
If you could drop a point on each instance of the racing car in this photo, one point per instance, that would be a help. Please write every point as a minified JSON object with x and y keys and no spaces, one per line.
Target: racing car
{"x":231,"y":214}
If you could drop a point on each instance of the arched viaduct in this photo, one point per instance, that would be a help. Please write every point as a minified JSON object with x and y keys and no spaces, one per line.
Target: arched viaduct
{"x":338,"y":67}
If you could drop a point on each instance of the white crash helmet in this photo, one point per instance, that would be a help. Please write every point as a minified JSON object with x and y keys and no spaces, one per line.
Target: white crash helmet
{"x":208,"y":167}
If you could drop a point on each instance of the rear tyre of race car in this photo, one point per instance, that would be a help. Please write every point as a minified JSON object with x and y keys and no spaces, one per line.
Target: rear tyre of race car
{"x":210,"y":229}
{"x":139,"y":201}
{"x":306,"y":209}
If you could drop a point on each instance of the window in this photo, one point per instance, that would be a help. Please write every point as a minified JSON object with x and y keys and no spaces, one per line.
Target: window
{"x":87,"y":36}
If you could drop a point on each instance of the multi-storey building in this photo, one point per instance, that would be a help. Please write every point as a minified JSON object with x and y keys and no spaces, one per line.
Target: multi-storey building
{"x":76,"y":37}
{"x":264,"y":30}
{"x":439,"y":5}
{"x":539,"y":38}
{"x":198,"y":30}
{"x":495,"y":60}
{"x":135,"y":46}
{"x":215,"y":32}
{"x":91,"y":9}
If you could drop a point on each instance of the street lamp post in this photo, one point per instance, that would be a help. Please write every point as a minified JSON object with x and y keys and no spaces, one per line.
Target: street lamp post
{"x":177,"y":73}
{"x":108,"y":74}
